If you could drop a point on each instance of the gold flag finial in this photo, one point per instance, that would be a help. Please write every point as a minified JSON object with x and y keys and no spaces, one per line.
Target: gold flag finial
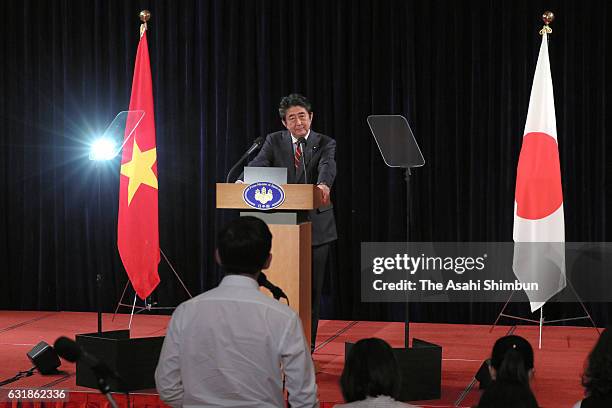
{"x":145,"y":15}
{"x":547,"y":18}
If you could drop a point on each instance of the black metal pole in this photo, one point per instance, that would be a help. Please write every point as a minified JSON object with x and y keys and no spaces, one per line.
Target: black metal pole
{"x":99,"y":273}
{"x":407,"y":304}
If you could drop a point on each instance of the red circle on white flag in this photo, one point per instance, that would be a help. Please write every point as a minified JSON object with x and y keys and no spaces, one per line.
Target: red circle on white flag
{"x":538,"y":177}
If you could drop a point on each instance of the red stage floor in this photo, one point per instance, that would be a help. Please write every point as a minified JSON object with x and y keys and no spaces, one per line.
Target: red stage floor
{"x":556,"y":384}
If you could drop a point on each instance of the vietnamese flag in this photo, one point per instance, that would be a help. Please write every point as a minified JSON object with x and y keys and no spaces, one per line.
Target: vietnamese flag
{"x":539,"y":226}
{"x":137,"y":227}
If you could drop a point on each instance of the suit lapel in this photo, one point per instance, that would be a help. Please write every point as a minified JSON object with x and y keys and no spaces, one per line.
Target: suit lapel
{"x":313,"y":141}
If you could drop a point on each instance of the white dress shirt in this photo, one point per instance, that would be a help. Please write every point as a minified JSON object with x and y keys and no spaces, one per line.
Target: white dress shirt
{"x":381,"y":401}
{"x":225,"y":347}
{"x":294,"y":139}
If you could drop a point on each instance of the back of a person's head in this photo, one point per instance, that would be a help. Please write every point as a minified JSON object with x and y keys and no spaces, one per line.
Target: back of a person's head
{"x":370,"y":370}
{"x":597,"y":378}
{"x":512,"y":359}
{"x":507,"y":395}
{"x":244,"y":245}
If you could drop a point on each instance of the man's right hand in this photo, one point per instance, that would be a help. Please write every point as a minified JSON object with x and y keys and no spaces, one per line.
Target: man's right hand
{"x":324,"y":189}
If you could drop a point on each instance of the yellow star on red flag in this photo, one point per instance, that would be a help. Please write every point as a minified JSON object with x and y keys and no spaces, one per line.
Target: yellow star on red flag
{"x":140,"y":170}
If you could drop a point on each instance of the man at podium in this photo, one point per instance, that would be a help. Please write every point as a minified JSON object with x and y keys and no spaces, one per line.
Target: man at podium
{"x":309,"y":158}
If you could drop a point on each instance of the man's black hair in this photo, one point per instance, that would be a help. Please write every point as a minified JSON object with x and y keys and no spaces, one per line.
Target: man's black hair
{"x":370,"y":370}
{"x":244,"y":245}
{"x":293,"y":100}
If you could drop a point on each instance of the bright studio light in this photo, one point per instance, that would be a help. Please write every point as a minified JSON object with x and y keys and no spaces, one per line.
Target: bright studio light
{"x":102,"y":149}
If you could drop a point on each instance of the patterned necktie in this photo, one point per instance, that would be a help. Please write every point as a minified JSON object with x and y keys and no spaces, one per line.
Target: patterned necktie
{"x":298,"y":155}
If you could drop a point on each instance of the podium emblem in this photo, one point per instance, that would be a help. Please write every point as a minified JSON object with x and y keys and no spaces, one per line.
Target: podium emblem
{"x":263,"y":195}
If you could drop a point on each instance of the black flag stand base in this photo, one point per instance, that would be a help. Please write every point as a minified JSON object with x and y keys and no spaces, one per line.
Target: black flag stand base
{"x":148,"y":306}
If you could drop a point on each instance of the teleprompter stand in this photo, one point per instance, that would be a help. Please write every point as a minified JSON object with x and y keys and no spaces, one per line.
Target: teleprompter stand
{"x":421,"y":364}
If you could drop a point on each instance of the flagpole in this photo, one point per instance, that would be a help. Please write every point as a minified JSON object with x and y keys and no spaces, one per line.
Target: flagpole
{"x":547,"y":18}
{"x":143,"y":102}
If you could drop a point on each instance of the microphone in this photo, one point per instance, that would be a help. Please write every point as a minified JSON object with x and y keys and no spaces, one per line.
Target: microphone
{"x":256,"y":145}
{"x":277,"y":292}
{"x":69,"y":350}
{"x":302,"y":142}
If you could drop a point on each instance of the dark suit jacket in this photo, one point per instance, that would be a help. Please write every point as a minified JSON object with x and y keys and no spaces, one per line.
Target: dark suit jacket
{"x":319,"y":155}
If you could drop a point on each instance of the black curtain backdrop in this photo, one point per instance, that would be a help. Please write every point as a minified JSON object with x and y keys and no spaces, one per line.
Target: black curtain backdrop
{"x":460,"y":72}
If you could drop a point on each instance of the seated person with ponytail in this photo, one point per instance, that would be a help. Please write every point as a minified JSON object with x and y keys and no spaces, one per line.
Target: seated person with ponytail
{"x":511,"y":369}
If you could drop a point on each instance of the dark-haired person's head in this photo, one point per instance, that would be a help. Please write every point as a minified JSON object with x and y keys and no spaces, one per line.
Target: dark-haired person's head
{"x":243,"y":246}
{"x":295,"y":112}
{"x":371,"y":370}
{"x":597,"y":377}
{"x":512,"y":395}
{"x":512,"y":360}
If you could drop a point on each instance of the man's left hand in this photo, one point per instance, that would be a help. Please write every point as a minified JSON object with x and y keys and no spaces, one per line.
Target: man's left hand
{"x":324,"y":189}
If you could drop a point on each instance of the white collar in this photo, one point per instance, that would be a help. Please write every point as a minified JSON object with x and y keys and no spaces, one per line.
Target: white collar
{"x":239,"y":280}
{"x":294,"y":139}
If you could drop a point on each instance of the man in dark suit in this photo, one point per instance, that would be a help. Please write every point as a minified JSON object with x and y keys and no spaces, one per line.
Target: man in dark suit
{"x":291,"y":148}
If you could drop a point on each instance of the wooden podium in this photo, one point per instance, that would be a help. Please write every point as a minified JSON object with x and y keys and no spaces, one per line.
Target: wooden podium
{"x":291,"y":240}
